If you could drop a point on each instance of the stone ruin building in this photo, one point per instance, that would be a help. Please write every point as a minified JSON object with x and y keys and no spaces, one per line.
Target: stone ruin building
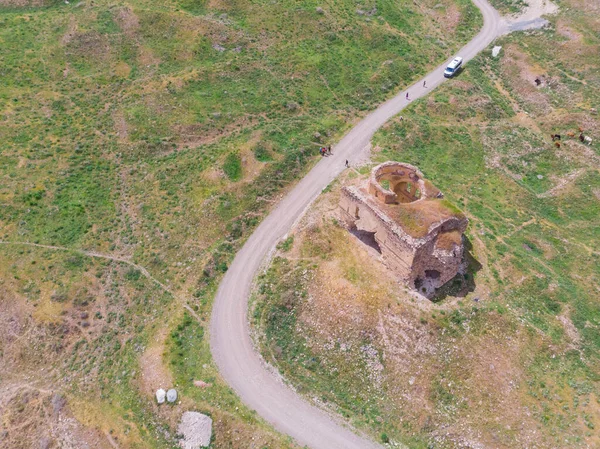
{"x":404,"y":216}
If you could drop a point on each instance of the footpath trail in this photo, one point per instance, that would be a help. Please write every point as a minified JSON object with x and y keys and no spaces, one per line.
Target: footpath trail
{"x":241,"y":367}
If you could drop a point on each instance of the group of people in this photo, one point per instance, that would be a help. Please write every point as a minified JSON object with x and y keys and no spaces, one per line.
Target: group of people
{"x":325,"y":151}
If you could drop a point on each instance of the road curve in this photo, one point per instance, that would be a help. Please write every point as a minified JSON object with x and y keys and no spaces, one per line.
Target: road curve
{"x":239,"y":364}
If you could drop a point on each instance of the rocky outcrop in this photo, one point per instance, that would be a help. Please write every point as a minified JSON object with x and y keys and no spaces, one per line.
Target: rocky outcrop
{"x":196,"y":429}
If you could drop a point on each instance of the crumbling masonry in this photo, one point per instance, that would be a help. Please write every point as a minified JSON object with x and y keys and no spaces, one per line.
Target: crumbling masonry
{"x":418,"y":233}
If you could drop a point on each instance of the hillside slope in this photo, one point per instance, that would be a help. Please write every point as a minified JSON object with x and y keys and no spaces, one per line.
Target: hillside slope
{"x":140,"y":143}
{"x":508,"y":354}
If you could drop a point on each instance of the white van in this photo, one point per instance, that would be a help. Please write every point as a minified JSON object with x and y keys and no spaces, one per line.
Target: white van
{"x":453,"y":67}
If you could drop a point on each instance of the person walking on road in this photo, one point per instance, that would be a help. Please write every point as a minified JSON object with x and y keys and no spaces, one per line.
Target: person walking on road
{"x":407,"y":95}
{"x":347,"y":165}
{"x":329,"y":149}
{"x":424,"y":83}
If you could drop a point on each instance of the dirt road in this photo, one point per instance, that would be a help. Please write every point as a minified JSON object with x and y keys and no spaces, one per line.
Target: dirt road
{"x":239,"y":364}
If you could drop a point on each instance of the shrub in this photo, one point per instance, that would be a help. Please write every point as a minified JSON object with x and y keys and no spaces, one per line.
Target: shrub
{"x":233,"y":166}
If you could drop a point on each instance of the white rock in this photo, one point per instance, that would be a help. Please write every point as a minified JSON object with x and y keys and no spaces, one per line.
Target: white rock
{"x":196,"y":429}
{"x":496,"y":51}
{"x":160,"y":396}
{"x":172,"y":395}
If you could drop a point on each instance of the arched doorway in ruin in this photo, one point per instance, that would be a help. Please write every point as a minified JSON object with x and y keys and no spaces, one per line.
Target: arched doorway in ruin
{"x":407,"y":192}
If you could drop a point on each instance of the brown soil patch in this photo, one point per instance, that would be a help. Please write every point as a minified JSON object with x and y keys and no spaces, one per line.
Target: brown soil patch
{"x":251,"y":167}
{"x":569,"y":328}
{"x":15,"y":326}
{"x":221,"y":5}
{"x":452,"y":18}
{"x":71,"y":30}
{"x":121,"y":126}
{"x":568,"y":32}
{"x":213,"y":175}
{"x":122,"y":69}
{"x":155,"y":374}
{"x":147,"y":57}
{"x":89,"y":45}
{"x":128,"y":21}
{"x":37,"y":418}
{"x":521,"y":75}
{"x":194,"y":135}
{"x":562,"y":183}
{"x":526,"y":121}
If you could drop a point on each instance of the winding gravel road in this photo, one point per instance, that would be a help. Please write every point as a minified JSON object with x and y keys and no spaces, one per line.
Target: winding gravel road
{"x":231,"y":345}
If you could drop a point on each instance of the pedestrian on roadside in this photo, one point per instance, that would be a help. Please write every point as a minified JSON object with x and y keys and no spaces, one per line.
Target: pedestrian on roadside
{"x":329,"y":149}
{"x":424,"y":83}
{"x":347,"y":165}
{"x":407,"y":95}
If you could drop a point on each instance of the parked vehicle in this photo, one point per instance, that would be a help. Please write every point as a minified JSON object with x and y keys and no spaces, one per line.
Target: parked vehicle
{"x":453,"y":67}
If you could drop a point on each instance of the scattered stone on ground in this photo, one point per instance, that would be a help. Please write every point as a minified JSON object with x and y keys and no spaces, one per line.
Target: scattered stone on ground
{"x":496,"y":51}
{"x":320,"y":10}
{"x":201,"y":384}
{"x":172,"y":395}
{"x":160,"y":396}
{"x":196,"y":429}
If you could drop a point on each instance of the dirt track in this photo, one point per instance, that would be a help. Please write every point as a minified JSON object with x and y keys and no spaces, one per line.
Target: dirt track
{"x":239,"y":364}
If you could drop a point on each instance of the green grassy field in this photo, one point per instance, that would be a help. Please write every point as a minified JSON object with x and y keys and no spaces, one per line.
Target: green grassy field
{"x":516,"y":362}
{"x":158,"y":134}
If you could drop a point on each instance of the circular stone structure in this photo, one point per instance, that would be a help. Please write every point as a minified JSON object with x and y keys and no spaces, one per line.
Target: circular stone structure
{"x":406,"y":183}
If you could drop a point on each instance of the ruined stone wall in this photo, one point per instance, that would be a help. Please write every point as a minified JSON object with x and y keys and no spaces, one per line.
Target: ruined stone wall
{"x":420,"y":263}
{"x":431,"y":258}
{"x":397,"y":253}
{"x":397,"y":174}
